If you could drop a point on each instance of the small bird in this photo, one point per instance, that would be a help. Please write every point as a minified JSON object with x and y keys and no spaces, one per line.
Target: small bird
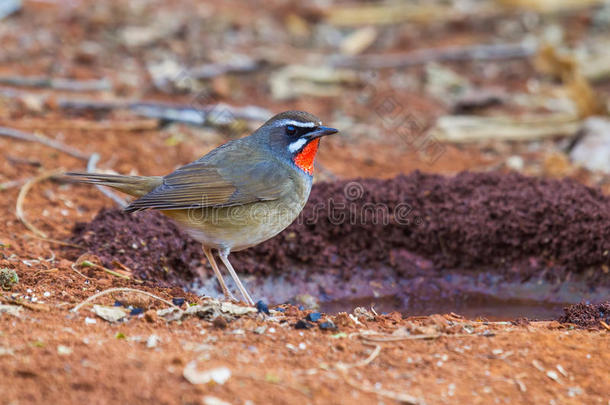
{"x":239,"y":194}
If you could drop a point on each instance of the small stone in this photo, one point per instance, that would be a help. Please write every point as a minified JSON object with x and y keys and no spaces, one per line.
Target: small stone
{"x":552,"y":375}
{"x":178,"y":301}
{"x":260,"y":329}
{"x":302,"y":324}
{"x":313,"y":316}
{"x":210,"y":400}
{"x":219,"y":375}
{"x":328,"y":325}
{"x":262,"y":307}
{"x":63,"y":350}
{"x":152,"y":341}
{"x":90,"y":321}
{"x":110,"y":314}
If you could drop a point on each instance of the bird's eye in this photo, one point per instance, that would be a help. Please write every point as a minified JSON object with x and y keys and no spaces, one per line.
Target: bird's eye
{"x":291,"y":130}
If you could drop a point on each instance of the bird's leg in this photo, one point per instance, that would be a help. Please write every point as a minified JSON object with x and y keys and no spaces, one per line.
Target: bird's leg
{"x":223,"y":286}
{"x":224,"y":256}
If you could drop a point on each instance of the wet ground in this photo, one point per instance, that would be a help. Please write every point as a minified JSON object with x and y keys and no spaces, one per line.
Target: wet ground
{"x":430,"y":311}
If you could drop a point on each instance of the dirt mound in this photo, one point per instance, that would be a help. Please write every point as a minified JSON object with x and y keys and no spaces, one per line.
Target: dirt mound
{"x":520,"y":225}
{"x":587,"y":315}
{"x":147,"y":242}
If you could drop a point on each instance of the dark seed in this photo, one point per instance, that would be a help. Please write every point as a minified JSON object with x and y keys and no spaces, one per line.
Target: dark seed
{"x":136,"y":311}
{"x":262,"y":307}
{"x":313,"y":316}
{"x":328,"y":325}
{"x":302,"y":324}
{"x":178,"y":301}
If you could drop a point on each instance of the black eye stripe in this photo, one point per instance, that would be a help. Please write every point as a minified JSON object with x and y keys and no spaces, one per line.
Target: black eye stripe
{"x":293,"y":130}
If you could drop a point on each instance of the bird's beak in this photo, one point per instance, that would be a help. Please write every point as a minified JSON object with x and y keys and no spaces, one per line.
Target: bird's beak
{"x":321,"y":131}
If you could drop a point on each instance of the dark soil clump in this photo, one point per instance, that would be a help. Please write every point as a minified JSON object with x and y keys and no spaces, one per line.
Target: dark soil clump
{"x":520,"y":225}
{"x":148,"y":243}
{"x":587,"y":315}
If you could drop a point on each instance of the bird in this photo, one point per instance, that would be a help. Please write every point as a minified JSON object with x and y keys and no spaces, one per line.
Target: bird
{"x":238,"y":195}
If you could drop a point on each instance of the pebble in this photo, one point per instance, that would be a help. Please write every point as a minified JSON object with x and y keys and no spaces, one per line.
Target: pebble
{"x":63,"y":350}
{"x":152,"y":341}
{"x":313,"y":316}
{"x":46,"y":294}
{"x":262,"y":307}
{"x":90,"y":321}
{"x":302,"y":324}
{"x":328,"y":325}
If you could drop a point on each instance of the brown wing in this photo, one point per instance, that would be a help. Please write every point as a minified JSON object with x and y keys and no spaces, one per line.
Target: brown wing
{"x":212,"y":182}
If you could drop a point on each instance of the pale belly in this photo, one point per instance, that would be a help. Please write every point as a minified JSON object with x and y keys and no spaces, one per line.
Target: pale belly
{"x":239,"y":227}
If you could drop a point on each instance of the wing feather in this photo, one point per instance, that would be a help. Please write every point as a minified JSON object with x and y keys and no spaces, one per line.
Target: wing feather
{"x":210,"y":182}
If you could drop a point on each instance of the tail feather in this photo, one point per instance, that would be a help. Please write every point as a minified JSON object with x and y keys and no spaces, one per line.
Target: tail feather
{"x":136,"y":186}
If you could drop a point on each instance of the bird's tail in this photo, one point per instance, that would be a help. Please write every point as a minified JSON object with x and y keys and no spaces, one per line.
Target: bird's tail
{"x":136,"y":186}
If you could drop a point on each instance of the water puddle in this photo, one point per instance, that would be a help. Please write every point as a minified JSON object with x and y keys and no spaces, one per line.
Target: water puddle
{"x":475,"y":306}
{"x":474,"y":295}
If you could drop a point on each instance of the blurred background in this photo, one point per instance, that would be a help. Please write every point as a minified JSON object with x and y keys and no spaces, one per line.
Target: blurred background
{"x":440,"y":86}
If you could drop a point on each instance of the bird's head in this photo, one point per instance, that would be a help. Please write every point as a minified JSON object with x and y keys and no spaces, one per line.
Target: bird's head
{"x":294,"y":135}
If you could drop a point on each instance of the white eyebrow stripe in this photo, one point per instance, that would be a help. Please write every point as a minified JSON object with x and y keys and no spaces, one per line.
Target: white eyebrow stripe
{"x":296,"y":145}
{"x":299,"y":124}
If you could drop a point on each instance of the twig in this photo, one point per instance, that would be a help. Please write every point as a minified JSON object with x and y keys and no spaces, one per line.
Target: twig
{"x":276,"y":384}
{"x":87,"y":263}
{"x":72,"y":266}
{"x":23,"y":136}
{"x":108,"y":193}
{"x":450,"y":54}
{"x":200,"y":115}
{"x":368,"y":360}
{"x":57,"y":84}
{"x":11,"y":183}
{"x":194,"y":113}
{"x":390,"y":338}
{"x":123,"y":289}
{"x":211,"y":70}
{"x":398,"y":396}
{"x":21,"y":198}
{"x":132,"y":125}
{"x":58,"y":242}
{"x":191,"y":114}
{"x":29,"y":305}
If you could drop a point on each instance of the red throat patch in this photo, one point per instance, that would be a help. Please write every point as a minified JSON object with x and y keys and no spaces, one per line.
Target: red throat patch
{"x":304,"y":159}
